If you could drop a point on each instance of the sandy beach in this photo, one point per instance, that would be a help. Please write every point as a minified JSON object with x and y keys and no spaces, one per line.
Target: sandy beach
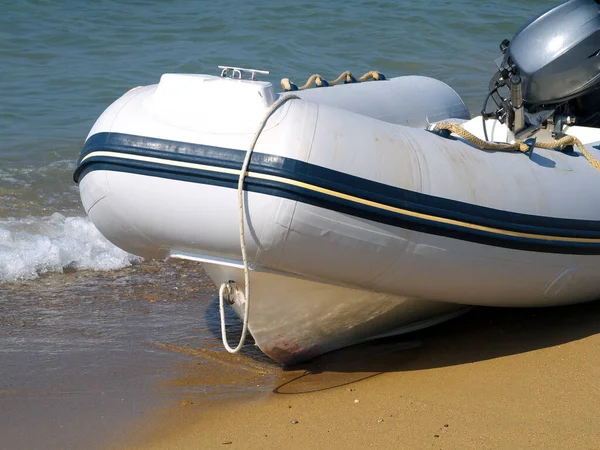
{"x":495,"y":378}
{"x":132,"y":360}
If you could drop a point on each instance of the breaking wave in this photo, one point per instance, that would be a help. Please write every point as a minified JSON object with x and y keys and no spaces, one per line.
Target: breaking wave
{"x":32,"y":246}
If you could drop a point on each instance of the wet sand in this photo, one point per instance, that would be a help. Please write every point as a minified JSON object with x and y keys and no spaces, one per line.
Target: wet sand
{"x":133,"y":359}
{"x":494,"y":378}
{"x":84,"y":355}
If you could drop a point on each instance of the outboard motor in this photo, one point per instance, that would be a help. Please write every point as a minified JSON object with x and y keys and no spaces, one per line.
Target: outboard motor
{"x":550,"y":71}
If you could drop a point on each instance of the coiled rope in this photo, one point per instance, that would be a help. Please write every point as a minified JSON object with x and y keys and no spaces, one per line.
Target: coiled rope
{"x":240,"y":190}
{"x":319,"y":81}
{"x":517,"y":146}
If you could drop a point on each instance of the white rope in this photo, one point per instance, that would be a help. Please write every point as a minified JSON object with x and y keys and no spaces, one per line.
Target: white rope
{"x":280,"y":101}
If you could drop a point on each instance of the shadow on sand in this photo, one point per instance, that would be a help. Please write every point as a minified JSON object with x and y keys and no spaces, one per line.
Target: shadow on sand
{"x":482,"y":334}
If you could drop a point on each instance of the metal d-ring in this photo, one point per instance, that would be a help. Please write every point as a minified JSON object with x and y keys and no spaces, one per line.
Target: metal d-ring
{"x":230,"y":292}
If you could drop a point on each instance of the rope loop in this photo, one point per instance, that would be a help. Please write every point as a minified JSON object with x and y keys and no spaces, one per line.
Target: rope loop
{"x":240,"y":190}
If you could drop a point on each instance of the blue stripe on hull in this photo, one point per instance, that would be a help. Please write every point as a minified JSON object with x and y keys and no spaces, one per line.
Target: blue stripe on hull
{"x":342,"y":183}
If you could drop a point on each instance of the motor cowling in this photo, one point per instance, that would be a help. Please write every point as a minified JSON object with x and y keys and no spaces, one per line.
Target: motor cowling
{"x":557,"y":55}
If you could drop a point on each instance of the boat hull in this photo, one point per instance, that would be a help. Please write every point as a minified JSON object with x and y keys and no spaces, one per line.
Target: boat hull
{"x":355,"y":227}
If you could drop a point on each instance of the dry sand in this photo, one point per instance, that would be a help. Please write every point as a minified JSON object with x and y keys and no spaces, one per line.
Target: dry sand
{"x":492,"y":379}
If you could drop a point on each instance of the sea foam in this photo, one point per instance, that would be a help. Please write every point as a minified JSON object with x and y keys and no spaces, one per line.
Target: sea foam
{"x":32,"y":246}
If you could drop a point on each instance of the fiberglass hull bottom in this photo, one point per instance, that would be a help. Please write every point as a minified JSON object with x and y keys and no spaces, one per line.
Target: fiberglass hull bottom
{"x":294,"y":319}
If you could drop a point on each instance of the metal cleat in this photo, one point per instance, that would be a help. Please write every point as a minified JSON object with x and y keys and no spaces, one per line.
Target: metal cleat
{"x":531,"y":144}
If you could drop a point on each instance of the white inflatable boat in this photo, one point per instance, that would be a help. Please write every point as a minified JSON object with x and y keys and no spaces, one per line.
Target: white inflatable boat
{"x":362,"y":219}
